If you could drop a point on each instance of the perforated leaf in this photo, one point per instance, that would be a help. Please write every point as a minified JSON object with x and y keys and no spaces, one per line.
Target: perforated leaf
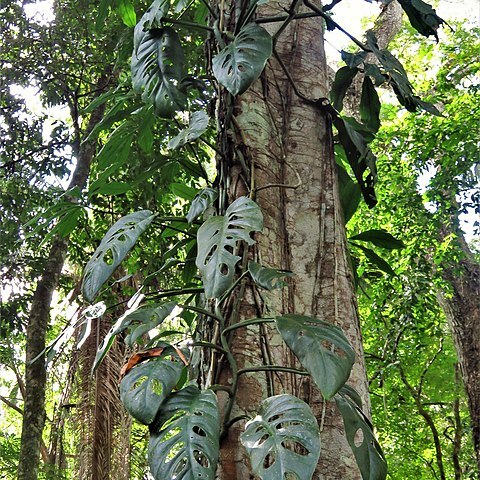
{"x":217,"y":240}
{"x":184,"y":440}
{"x":158,"y":68}
{"x":196,"y":127}
{"x":112,"y":250}
{"x":241,"y":62}
{"x":322,"y":349}
{"x":145,"y":319}
{"x":201,"y":202}
{"x":283,"y":439}
{"x":268,"y":278}
{"x":360,"y":437}
{"x":147,"y":385}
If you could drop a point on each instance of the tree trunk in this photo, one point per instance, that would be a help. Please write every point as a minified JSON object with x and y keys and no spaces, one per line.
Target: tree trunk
{"x":35,"y":372}
{"x":462,"y":309}
{"x":287,"y":147}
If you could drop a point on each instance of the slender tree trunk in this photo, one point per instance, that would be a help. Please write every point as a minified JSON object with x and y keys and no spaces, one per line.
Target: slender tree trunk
{"x":462,"y":309}
{"x":35,"y":372}
{"x":283,"y":155}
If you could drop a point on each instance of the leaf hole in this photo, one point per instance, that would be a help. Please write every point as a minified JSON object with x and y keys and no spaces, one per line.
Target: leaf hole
{"x":296,"y":447}
{"x":198,"y":413}
{"x":201,"y":458}
{"x":122,"y":237}
{"x":262,"y":440}
{"x":108,"y":257}
{"x":327,"y":345}
{"x":223,"y":267}
{"x":138,"y":383}
{"x":269,"y":460}
{"x":241,"y":68}
{"x":180,"y":467}
{"x":156,"y":386}
{"x":199,"y":431}
{"x":358,"y":438}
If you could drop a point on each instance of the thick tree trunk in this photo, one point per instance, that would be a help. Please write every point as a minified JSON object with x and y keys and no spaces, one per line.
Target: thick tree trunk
{"x":287,"y":146}
{"x":35,"y":372}
{"x":462,"y":309}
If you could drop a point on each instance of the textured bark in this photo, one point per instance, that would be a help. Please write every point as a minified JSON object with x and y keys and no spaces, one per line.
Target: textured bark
{"x":287,"y":145}
{"x":35,"y":372}
{"x":462,"y":309}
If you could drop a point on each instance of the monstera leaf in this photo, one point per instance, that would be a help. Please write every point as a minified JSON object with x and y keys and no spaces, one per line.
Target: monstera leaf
{"x":217,"y":239}
{"x":147,"y":318}
{"x":321,"y":348}
{"x":147,"y":385}
{"x":196,"y":127}
{"x":241,"y":62}
{"x":158,"y":68}
{"x":272,"y":438}
{"x":184,"y":440}
{"x":360,"y":437}
{"x":112,"y":250}
{"x":201,"y":202}
{"x":268,"y":278}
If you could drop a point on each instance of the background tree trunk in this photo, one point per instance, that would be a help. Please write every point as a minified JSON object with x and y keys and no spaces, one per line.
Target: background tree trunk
{"x":287,"y":146}
{"x":35,"y":372}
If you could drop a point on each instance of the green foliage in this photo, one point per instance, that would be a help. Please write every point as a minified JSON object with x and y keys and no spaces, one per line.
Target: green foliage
{"x":283,"y":439}
{"x":242,"y":61}
{"x":321,"y":348}
{"x":218,"y":238}
{"x":146,"y":386}
{"x":185,"y":436}
{"x":112,"y":250}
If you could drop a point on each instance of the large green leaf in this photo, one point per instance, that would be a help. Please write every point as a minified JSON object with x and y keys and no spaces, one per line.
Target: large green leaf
{"x":360,"y":437}
{"x":113,"y":248}
{"x":146,"y":319}
{"x":268,"y":278}
{"x":322,"y":349}
{"x":196,"y":127}
{"x":350,"y":193}
{"x":422,"y":16}
{"x":283,"y":440}
{"x":380,"y":238}
{"x":158,"y":68}
{"x":241,"y":62}
{"x":375,"y":259}
{"x":370,"y":106}
{"x":218,"y":238}
{"x":184,"y":439}
{"x":341,"y":83}
{"x":147,"y":385}
{"x":201,"y":202}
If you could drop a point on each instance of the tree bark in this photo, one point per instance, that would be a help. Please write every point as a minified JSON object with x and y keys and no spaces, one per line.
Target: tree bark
{"x":35,"y":372}
{"x":462,"y":309}
{"x":286,"y":144}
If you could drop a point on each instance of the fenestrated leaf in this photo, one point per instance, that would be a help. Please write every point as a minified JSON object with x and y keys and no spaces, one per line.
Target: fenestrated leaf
{"x":322,"y":349}
{"x":196,"y":127}
{"x":341,"y":83}
{"x":422,"y":16}
{"x":367,"y":451}
{"x":380,"y":238}
{"x":268,"y":278}
{"x":218,"y":237}
{"x":184,"y":439}
{"x":370,"y":106}
{"x":375,"y":259}
{"x":201,"y":202}
{"x":145,"y":319}
{"x":272,"y":438}
{"x":241,"y":62}
{"x":147,"y":385}
{"x":113,"y":248}
{"x":158,"y":68}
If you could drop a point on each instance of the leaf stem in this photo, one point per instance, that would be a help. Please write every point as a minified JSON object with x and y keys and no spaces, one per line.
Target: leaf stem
{"x":185,"y":23}
{"x":246,"y":323}
{"x":272,"y":368}
{"x":202,"y":311}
